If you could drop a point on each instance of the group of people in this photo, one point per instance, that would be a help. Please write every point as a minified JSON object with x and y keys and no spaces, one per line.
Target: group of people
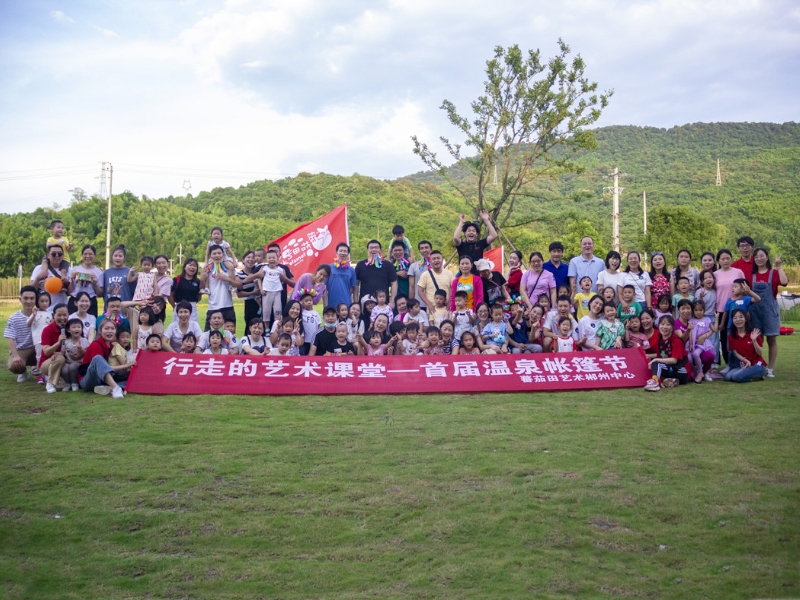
{"x":688,"y":320}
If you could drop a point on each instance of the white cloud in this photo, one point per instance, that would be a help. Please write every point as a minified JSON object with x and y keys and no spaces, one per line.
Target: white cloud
{"x":61,"y":17}
{"x":106,"y":32}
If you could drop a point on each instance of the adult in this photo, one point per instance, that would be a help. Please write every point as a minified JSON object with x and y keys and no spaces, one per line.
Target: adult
{"x":182,"y":325}
{"x":559,"y":270}
{"x":472,"y":246}
{"x":219,"y":285}
{"x":53,"y":265}
{"x":494,"y":284}
{"x":163,"y":280}
{"x":669,"y":365}
{"x":515,"y":271}
{"x":708,"y":262}
{"x":85,"y":277}
{"x":434,"y":279}
{"x":662,"y":278}
{"x":610,"y":276}
{"x":684,"y":269}
{"x":418,"y":267}
{"x":186,"y":287}
{"x":405,"y":282}
{"x":537,"y":281}
{"x":115,"y":278}
{"x":21,"y":351}
{"x":746,"y":346}
{"x":53,"y":359}
{"x":342,"y":281}
{"x":649,"y":329}
{"x":381,"y":326}
{"x":316,"y":282}
{"x":766,"y":315}
{"x":286,"y":271}
{"x":639,"y":279}
{"x":745,"y":245}
{"x":95,"y":371}
{"x":249,"y":291}
{"x":374,"y":274}
{"x":723,"y":279}
{"x":467,"y":282}
{"x":586,"y":264}
{"x":291,"y":310}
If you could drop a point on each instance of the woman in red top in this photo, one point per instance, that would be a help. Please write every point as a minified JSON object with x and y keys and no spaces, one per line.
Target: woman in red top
{"x":514,"y":273}
{"x":95,"y":370}
{"x":746,"y":345}
{"x":659,"y":275}
{"x":648,"y":320}
{"x":669,"y":365}
{"x":766,"y":315}
{"x":52,"y":359}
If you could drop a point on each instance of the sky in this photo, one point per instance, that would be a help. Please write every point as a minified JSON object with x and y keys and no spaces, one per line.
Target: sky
{"x":190,"y":95}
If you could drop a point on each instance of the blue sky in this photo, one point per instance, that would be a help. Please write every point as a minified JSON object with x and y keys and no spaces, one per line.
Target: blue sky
{"x":222,"y":93}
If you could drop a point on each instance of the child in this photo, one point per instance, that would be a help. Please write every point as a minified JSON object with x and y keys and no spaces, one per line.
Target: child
{"x":372,"y":345}
{"x":57,"y":239}
{"x":368,"y":302}
{"x":664,"y":307}
{"x":82,"y":303}
{"x":700,"y":345}
{"x":154,"y":343}
{"x":446,"y":333}
{"x":707,"y":294}
{"x":341,"y":346}
{"x":430,"y":346}
{"x":412,"y":339}
{"x":581,"y":299}
{"x":398,"y":233}
{"x":39,"y":319}
{"x":146,"y":320}
{"x":683,"y":286}
{"x":748,"y":346}
{"x":73,"y":348}
{"x":311,"y":321}
{"x":270,"y":282}
{"x":635,"y":338}
{"x":741,"y":297}
{"x":468,"y":345}
{"x":440,"y":312}
{"x":668,"y":368}
{"x":628,"y":307}
{"x":519,"y":340}
{"x":256,"y":344}
{"x":189,"y":344}
{"x":355,"y":326}
{"x":146,"y":286}
{"x":283,"y":347}
{"x":381,"y":308}
{"x":122,"y":355}
{"x":463,"y":317}
{"x":395,"y":345}
{"x":416,"y":314}
{"x":229,"y":257}
{"x":296,"y":331}
{"x":342,"y":311}
{"x":535,"y":321}
{"x":233,"y":343}
{"x":495,"y":334}
{"x":609,"y":295}
{"x":565,"y":341}
{"x":326,"y":336}
{"x":683,"y":325}
{"x":215,"y":344}
{"x":544,"y":302}
{"x":610,"y":332}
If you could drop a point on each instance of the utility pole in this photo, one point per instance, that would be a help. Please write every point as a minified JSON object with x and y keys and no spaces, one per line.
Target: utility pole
{"x":108,"y":222}
{"x":180,"y":254}
{"x":644,"y":216}
{"x":617,"y":191}
{"x":719,"y":174}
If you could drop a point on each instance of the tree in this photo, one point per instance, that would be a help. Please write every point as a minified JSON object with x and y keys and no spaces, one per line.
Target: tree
{"x":529,"y":123}
{"x":673,"y":228}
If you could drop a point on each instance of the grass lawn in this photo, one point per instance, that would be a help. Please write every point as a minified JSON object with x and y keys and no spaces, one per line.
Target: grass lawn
{"x":688,"y":493}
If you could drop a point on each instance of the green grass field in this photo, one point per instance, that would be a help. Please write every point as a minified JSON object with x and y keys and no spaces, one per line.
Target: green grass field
{"x":688,"y":493}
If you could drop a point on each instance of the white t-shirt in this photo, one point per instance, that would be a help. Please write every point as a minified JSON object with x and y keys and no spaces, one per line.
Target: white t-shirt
{"x":259,"y":346}
{"x":222,"y":351}
{"x":175,"y":336}
{"x":607,"y":280}
{"x":202,"y":341}
{"x":588,"y":328}
{"x":421,"y":318}
{"x":68,"y":348}
{"x":272,"y":279}
{"x":42,"y":319}
{"x":311,"y":323}
{"x":60,"y":297}
{"x":640,"y":282}
{"x":88,"y":323}
{"x":82,"y":284}
{"x":219,"y":294}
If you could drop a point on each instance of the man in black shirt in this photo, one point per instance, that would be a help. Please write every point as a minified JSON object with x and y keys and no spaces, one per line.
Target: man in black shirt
{"x":326,"y":337}
{"x":471,"y":246}
{"x":374,"y":274}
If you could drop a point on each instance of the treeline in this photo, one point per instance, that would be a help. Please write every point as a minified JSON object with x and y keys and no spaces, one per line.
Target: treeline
{"x":760,"y":196}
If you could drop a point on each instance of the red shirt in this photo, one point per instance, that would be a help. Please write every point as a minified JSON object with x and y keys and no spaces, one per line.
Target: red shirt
{"x":744,"y":347}
{"x":50,"y":335}
{"x":674,"y":347}
{"x":764,"y":277}
{"x":745,"y":267}
{"x":514,"y":279}
{"x":99,"y":347}
{"x":653,"y":340}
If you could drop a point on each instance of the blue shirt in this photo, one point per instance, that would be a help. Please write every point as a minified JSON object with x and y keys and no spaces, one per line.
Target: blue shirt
{"x":742,"y":303}
{"x":339,"y":284}
{"x":579,"y":268}
{"x":560,"y":273}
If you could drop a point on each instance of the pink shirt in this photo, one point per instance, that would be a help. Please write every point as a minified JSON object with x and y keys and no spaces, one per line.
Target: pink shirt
{"x":534,"y":288}
{"x":724,"y":280}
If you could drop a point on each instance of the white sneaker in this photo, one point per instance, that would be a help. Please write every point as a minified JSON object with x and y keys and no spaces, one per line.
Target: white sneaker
{"x":708,"y":377}
{"x":103,"y":390}
{"x":22,"y":378}
{"x":118,"y":392}
{"x":51,"y":389}
{"x":67,"y":387}
{"x":75,"y":387}
{"x":770,"y":372}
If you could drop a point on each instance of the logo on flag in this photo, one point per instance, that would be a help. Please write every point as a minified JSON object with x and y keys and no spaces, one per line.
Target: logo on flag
{"x":312,"y":244}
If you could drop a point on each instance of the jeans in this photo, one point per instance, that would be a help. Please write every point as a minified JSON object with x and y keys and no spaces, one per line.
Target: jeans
{"x":95,"y":375}
{"x":743,"y":375}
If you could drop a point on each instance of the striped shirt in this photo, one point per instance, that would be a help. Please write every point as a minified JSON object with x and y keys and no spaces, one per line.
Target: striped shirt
{"x":17,"y":329}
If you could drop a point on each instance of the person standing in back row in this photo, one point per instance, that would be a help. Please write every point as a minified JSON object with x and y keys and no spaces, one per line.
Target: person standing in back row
{"x":586,"y":264}
{"x":472,"y":246}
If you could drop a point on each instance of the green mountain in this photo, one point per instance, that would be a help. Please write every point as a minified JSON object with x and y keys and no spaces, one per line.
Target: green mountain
{"x":759,"y":196}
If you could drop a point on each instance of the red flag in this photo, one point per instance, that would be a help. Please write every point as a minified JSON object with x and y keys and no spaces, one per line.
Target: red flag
{"x":495,"y":257}
{"x":306,"y":247}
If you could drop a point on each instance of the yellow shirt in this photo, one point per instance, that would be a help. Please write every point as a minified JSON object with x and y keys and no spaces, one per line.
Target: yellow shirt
{"x":444,"y":279}
{"x":63,"y":242}
{"x":582,"y":301}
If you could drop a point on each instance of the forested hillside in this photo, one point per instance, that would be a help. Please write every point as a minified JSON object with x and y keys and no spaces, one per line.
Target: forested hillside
{"x":760,"y":196}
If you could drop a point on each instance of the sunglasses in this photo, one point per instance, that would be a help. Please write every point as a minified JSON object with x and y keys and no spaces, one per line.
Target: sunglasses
{"x":56,"y":254}
{"x":657,"y":253}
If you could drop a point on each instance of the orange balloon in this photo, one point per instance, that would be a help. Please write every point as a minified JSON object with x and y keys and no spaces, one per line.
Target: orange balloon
{"x":53,"y":285}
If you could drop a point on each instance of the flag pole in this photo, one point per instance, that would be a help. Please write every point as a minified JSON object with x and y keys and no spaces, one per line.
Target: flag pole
{"x":346,"y":225}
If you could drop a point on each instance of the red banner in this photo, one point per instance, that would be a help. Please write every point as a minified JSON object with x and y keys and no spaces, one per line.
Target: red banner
{"x":306,"y":247}
{"x":495,"y":257}
{"x":167,"y":373}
